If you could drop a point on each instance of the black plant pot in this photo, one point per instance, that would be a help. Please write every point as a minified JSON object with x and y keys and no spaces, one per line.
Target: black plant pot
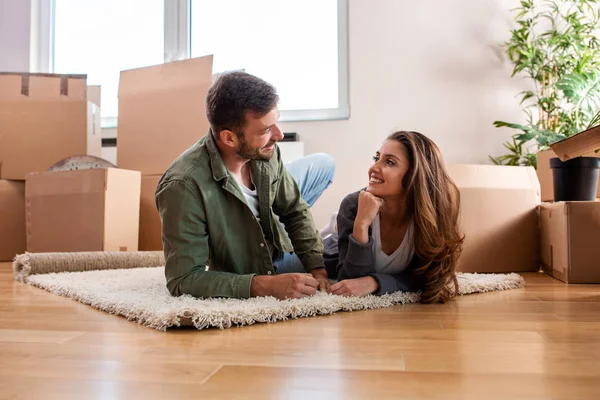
{"x":575,"y":179}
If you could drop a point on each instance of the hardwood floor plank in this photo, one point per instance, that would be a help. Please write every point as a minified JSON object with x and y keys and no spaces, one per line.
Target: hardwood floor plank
{"x":70,"y":351}
{"x":37,"y":335}
{"x":168,"y":372}
{"x":349,"y":384}
{"x":27,"y":388}
{"x":284,"y":352}
{"x":509,"y":363}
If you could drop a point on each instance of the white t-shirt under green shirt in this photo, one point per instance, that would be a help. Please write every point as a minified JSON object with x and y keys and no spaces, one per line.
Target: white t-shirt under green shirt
{"x":251,"y":197}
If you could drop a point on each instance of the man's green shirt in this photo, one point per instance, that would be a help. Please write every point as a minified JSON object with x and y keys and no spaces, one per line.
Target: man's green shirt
{"x":206,"y":222}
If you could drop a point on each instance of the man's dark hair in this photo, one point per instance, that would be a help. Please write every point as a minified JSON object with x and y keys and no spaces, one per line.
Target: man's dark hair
{"x":234,"y":95}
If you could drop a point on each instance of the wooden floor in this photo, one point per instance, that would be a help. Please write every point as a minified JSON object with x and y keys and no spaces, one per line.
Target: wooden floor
{"x":541,"y":342}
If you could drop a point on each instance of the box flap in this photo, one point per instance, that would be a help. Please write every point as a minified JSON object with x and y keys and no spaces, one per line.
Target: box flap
{"x":65,"y":182}
{"x":578,"y":145}
{"x":156,"y":101}
{"x":36,"y":133}
{"x":12,"y":219}
{"x":168,"y":76}
{"x":494,"y":176}
{"x":122,"y":210}
{"x":25,"y":86}
{"x":10,"y":85}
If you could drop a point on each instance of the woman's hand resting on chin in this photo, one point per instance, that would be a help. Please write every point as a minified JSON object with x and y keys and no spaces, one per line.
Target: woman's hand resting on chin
{"x":368,"y":208}
{"x":357,"y":287}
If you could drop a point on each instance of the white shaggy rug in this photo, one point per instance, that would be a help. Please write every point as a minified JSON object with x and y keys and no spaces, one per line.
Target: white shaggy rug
{"x":140,"y":295}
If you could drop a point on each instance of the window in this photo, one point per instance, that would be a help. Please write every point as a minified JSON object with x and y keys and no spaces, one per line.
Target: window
{"x":300,"y":46}
{"x":101,"y":38}
{"x":292,"y":44}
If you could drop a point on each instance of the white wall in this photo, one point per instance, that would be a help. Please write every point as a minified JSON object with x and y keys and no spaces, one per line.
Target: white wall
{"x":429,"y":65}
{"x":432,"y":66}
{"x":14,"y":35}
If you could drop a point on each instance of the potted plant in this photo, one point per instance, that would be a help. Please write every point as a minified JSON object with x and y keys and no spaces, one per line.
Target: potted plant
{"x":554,"y":46}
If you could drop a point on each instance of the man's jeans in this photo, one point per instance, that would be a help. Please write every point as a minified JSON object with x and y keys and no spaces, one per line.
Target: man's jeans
{"x":313,"y":174}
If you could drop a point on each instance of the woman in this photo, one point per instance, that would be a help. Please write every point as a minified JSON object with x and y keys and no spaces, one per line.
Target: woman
{"x":401,"y":232}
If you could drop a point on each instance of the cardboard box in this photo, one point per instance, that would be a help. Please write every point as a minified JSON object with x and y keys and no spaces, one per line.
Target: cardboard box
{"x":162,"y":112}
{"x":150,"y":223}
{"x":545,"y":176}
{"x":45,"y":118}
{"x":84,"y":210}
{"x":12,"y":219}
{"x":569,"y":241}
{"x":498,"y":217}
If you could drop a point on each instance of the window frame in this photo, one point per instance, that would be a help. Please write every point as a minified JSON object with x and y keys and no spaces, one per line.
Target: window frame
{"x":177,"y":46}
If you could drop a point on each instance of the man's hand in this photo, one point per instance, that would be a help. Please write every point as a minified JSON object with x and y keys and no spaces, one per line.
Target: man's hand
{"x":284,"y":286}
{"x":320,"y":274}
{"x":355,"y":287}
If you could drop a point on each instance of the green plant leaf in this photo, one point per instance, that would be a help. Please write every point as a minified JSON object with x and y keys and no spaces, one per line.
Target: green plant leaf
{"x":594,"y":121}
{"x":499,"y":124}
{"x":525,"y":137}
{"x":582,"y":89}
{"x":526,"y":96}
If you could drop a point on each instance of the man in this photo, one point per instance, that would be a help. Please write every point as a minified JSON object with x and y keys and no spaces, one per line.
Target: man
{"x":225,"y":201}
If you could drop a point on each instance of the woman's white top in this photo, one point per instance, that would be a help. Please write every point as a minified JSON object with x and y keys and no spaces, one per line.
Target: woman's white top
{"x":400,"y":258}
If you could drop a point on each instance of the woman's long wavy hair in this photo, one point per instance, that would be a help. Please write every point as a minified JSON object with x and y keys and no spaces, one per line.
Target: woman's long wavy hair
{"x":434,"y":201}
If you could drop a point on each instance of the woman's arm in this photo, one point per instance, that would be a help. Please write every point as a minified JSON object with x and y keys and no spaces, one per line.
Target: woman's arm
{"x":355,"y":257}
{"x":404,"y":281}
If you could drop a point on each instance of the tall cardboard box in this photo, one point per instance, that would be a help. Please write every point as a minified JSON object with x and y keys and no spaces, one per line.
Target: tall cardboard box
{"x":12,"y":219}
{"x":84,"y":210}
{"x":498,"y":217}
{"x":570,"y":232}
{"x":45,"y":118}
{"x":544,"y":173}
{"x":150,"y":223}
{"x":162,"y":112}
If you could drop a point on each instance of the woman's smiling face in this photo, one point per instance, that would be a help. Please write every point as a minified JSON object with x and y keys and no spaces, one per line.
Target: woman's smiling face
{"x":387,"y":173}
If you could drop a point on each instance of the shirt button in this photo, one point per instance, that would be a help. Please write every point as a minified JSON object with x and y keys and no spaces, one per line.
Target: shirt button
{"x":262,"y":245}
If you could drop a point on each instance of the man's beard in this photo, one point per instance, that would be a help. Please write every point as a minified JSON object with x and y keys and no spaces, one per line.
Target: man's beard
{"x":251,"y":154}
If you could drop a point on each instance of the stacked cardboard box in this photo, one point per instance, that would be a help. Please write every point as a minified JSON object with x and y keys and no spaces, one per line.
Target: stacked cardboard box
{"x":44,"y":118}
{"x":161,"y":114}
{"x":84,"y":210}
{"x":570,"y":230}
